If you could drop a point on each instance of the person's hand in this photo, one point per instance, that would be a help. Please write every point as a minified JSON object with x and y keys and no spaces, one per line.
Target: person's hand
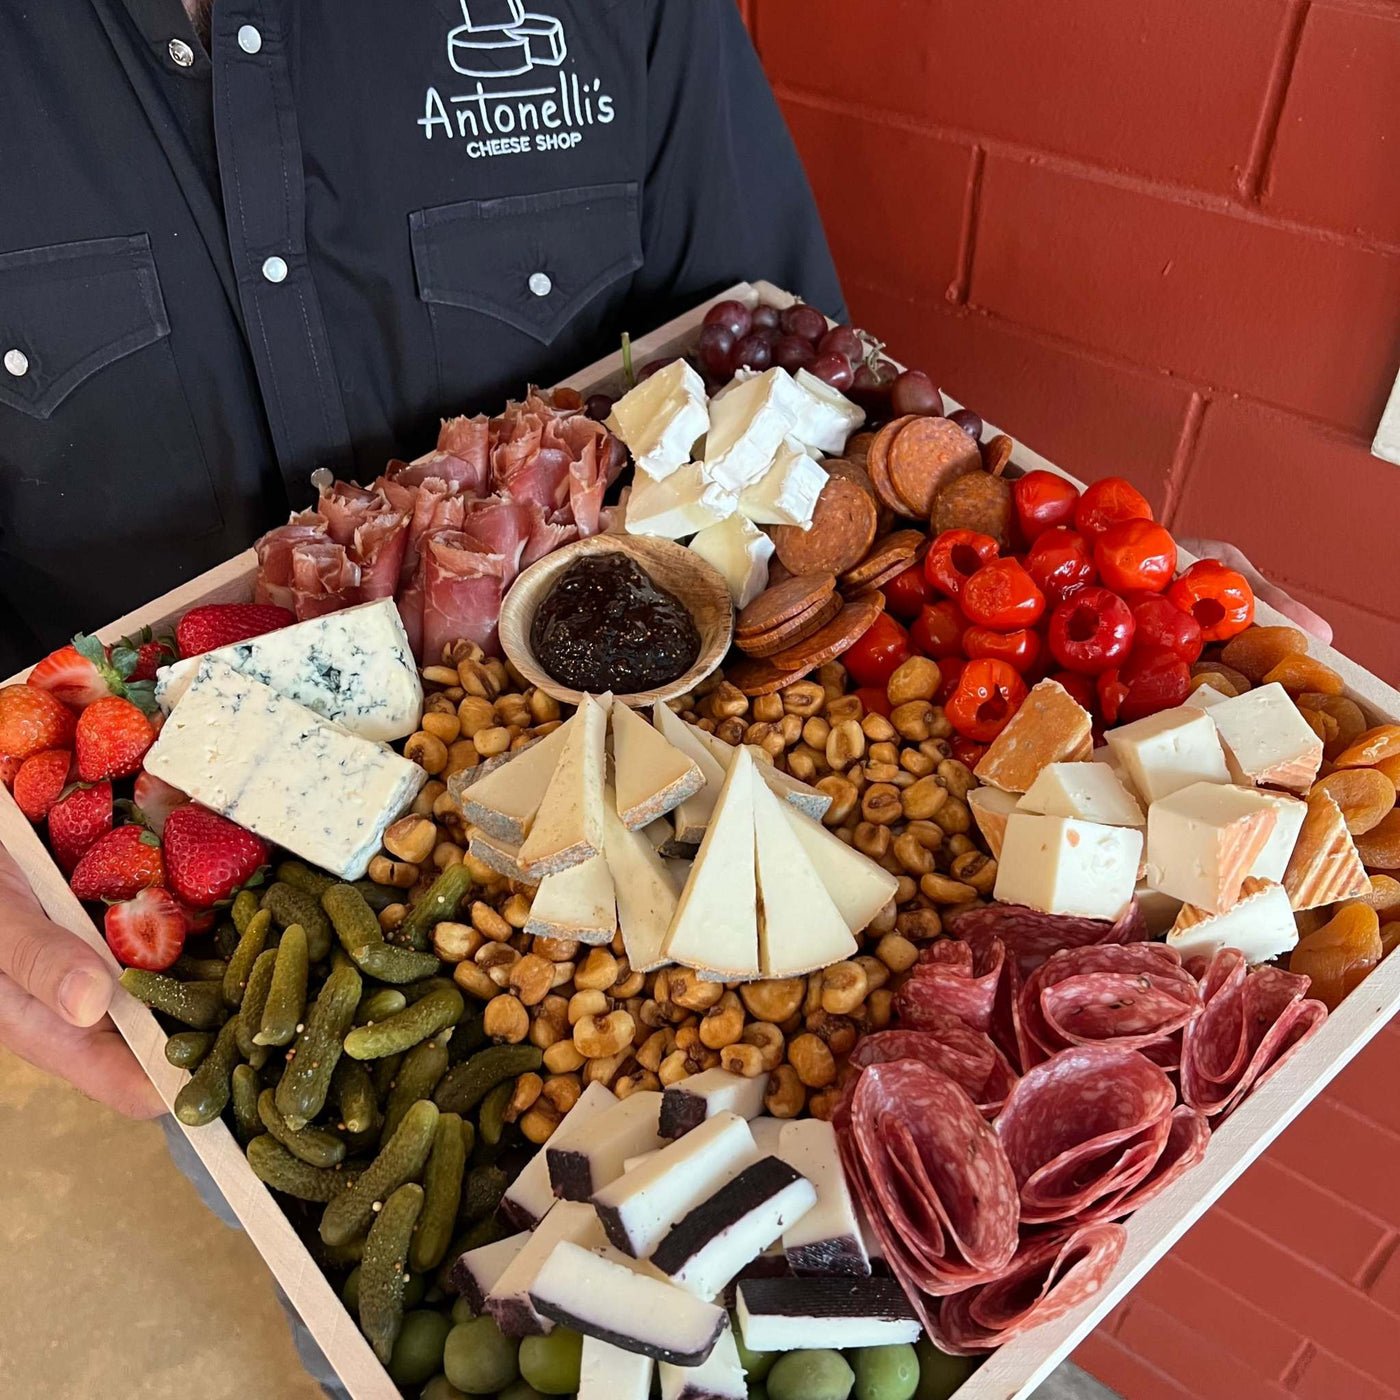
{"x":1273,"y":595}
{"x":54,"y":994}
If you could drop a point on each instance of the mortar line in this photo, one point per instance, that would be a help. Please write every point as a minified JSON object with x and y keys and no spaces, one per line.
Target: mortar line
{"x":1254,"y":177}
{"x":1184,"y":458}
{"x":1298,"y":1364}
{"x":957,"y":291}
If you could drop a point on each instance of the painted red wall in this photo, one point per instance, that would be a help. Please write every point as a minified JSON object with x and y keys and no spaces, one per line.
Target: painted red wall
{"x":1161,"y":238}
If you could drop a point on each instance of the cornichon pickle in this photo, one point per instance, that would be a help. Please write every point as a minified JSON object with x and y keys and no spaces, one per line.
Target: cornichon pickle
{"x":314,"y":1145}
{"x":402,"y":1160}
{"x":312,"y":1059}
{"x":441,"y":901}
{"x":482,"y":1192}
{"x":416,"y":1078}
{"x":289,"y":905}
{"x":416,"y":991}
{"x":414,"y":1024}
{"x":191,"y":969}
{"x":382,"y":1268}
{"x":245,"y":905}
{"x":358,"y":931}
{"x":245,"y":1087}
{"x":273,"y":1164}
{"x":254,"y":999}
{"x":301,"y":876}
{"x":206,"y":1094}
{"x":285,"y":1003}
{"x":442,"y":1193}
{"x":225,"y":940}
{"x":377,"y":1004}
{"x":397,"y":965}
{"x":185,"y":1049}
{"x":240,"y":966}
{"x":197,"y":1004}
{"x":491,"y":1117}
{"x":465,"y":1085}
{"x":353,"y":1092}
{"x":384,"y":1073}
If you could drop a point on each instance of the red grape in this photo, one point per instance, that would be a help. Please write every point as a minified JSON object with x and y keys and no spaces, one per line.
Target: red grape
{"x":804,"y":321}
{"x":652,"y":366}
{"x":968,"y":421}
{"x":766,"y":318}
{"x":834,"y":369}
{"x":842,"y":340}
{"x":915,"y":392}
{"x":793,"y":353}
{"x":734,"y":316}
{"x":597,"y":407}
{"x":716,"y":347}
{"x":753,"y":352}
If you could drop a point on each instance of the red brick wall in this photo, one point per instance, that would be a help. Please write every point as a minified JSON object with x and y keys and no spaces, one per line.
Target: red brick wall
{"x":1162,"y":239}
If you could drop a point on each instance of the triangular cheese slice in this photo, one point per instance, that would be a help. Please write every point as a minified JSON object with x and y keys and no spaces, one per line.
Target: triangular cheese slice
{"x":799,"y":926}
{"x":1050,"y":727}
{"x":715,"y":929}
{"x":650,"y":774}
{"x":1324,"y":866}
{"x":646,"y":894}
{"x":858,"y":887}
{"x":693,"y":815}
{"x":499,"y":856}
{"x":576,"y":903}
{"x":1260,"y":924}
{"x":802,"y":796}
{"x":568,"y":826}
{"x":503,"y":802}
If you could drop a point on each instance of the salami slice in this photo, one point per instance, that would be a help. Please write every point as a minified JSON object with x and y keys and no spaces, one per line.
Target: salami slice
{"x":968,"y":1057}
{"x":924,"y":456}
{"x":1252,"y":1019}
{"x":1031,"y":937}
{"x":1049,"y":1276}
{"x":1188,"y":1135}
{"x":952,"y":978}
{"x":1133,"y":995}
{"x":1087,"y":1124}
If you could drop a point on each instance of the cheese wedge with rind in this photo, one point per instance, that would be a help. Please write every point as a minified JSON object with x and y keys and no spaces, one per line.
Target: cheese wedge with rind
{"x":790,"y":789}
{"x":1203,"y":840}
{"x":568,"y":826}
{"x":650,"y":774}
{"x":1260,"y":924}
{"x":990,"y":808}
{"x":509,"y":1300}
{"x":1050,"y":727}
{"x":827,"y":1239}
{"x":692,"y":816}
{"x":1325,"y":865}
{"x":503,"y":801}
{"x":579,"y":902}
{"x":719,"y":1377}
{"x":607,"y":1372}
{"x":858,"y":887}
{"x":499,"y":856}
{"x":1168,"y":751}
{"x":644,"y":889}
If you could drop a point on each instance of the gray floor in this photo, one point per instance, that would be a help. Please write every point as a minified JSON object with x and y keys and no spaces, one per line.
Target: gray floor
{"x":1070,"y":1383}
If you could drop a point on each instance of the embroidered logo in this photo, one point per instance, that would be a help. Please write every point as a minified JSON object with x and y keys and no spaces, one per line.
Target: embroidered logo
{"x":499,"y":40}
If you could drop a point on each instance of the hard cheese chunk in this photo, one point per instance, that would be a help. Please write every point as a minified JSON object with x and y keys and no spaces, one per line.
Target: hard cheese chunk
{"x":802,"y":796}
{"x":644,"y":889}
{"x":510,"y":1301}
{"x":607,"y":1372}
{"x":858,"y":887}
{"x":579,"y":902}
{"x":828,"y":418}
{"x":690,"y":1101}
{"x":477,"y":1271}
{"x":1062,"y":866}
{"x":568,"y":827}
{"x":662,"y":419}
{"x":1260,"y":925}
{"x":740,"y":552}
{"x":786,"y":494}
{"x":650,"y":774}
{"x":530,"y":1197}
{"x":747,"y":426}
{"x":269,"y":764}
{"x":503,"y":801}
{"x":1169,"y":751}
{"x":1091,"y":792}
{"x":1267,"y":741}
{"x":583,"y":1163}
{"x":1325,"y":865}
{"x":683,"y":504}
{"x":1204,"y":839}
{"x":693,"y":815}
{"x":827,"y":1239}
{"x":794,"y":1314}
{"x":720,"y":1377}
{"x":990,"y":808}
{"x":354,"y":667}
{"x":1050,"y":727}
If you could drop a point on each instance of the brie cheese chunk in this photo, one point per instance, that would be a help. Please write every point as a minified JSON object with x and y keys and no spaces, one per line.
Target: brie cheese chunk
{"x":662,"y":418}
{"x":1203,"y":840}
{"x":693,"y":815}
{"x":740,"y":551}
{"x":1061,"y":865}
{"x":684,"y":504}
{"x":1091,"y":792}
{"x":568,"y":827}
{"x":503,"y":801}
{"x":1169,"y":751}
{"x":786,"y":494}
{"x":828,"y":418}
{"x":644,"y":889}
{"x":579,"y":902}
{"x":1261,"y":925}
{"x":1267,"y":741}
{"x":650,"y":774}
{"x":827,"y":1239}
{"x":858,"y":887}
{"x":748,"y":424}
{"x":530,"y":1197}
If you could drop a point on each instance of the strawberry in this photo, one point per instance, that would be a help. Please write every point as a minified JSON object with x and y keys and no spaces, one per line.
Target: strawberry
{"x":84,"y":672}
{"x":119,"y":864}
{"x":78,"y":819}
{"x":149,"y":654}
{"x":146,"y":931}
{"x":9,"y":770}
{"x":207,"y":857}
{"x":221,"y":624}
{"x":40,"y":782}
{"x":112,"y":739}
{"x":156,"y":799}
{"x":32,"y":720}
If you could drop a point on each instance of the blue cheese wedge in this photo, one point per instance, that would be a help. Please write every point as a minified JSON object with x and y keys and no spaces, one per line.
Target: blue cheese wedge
{"x":530,"y":1197}
{"x":828,"y":418}
{"x":651,"y":776}
{"x":690,"y":1101}
{"x":644,"y":888}
{"x":740,"y":552}
{"x":794,"y":1314}
{"x":662,"y":418}
{"x":786,"y":494}
{"x":683,"y":504}
{"x":748,"y":425}
{"x":568,"y":826}
{"x":354,"y":667}
{"x":503,"y":802}
{"x":827,"y":1239}
{"x":287,"y":775}
{"x":858,"y":887}
{"x":510,"y":1299}
{"x":583,"y":1163}
{"x":477,"y":1271}
{"x":607,"y":1372}
{"x":692,"y":816}
{"x":719,"y":1377}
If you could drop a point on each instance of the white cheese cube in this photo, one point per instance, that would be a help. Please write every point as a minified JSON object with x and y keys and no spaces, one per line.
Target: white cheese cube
{"x":1063,"y":866}
{"x":829,"y":418}
{"x":662,"y":419}
{"x":1261,"y":925}
{"x":1267,"y":740}
{"x":1091,"y":792}
{"x":786,"y":494}
{"x":748,"y":424}
{"x":1272,"y":861}
{"x":1205,"y":697}
{"x":684,"y":504}
{"x":271,"y":765}
{"x":740,"y":551}
{"x":1169,"y":751}
{"x":1203,"y":840}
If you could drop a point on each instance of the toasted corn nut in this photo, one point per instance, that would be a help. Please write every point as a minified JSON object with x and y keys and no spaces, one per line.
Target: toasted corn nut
{"x":881,"y":803}
{"x":881,"y":733}
{"x":654,"y":1049}
{"x":688,"y":1038}
{"x":914,"y":858}
{"x":454,"y":942}
{"x":544,"y":1032}
{"x":804,"y":698}
{"x":954,"y":816}
{"x":727,"y":701}
{"x":812,"y":998}
{"x":958,"y":844}
{"x":923,"y":799}
{"x":786,"y":1095}
{"x":915,"y":679}
{"x":605,"y":1068}
{"x":801,"y":767}
{"x":563,"y":975}
{"x":447,"y":853}
{"x":757,"y":732}
{"x":496,"y":960}
{"x":975,"y":869}
{"x":630,"y":986}
{"x":673,"y":1068}
{"x":844,"y":987}
{"x":723,"y":1023}
{"x":597,"y":972}
{"x":474,"y":980}
{"x":653,"y":1013}
{"x":906,"y":888}
{"x":843,"y":707}
{"x":532,"y":979}
{"x":439,"y":704}
{"x":597,"y":1037}
{"x":845,"y":744}
{"x":914,"y":720}
{"x":789,"y":729}
{"x":440,"y":675}
{"x":398,"y":874}
{"x":767,"y":708}
{"x":427,"y":751}
{"x":730,"y":730}
{"x":687,"y":989}
{"x":843,"y":796}
{"x":474,"y":714}
{"x":811,"y":1058}
{"x":823,"y":1103}
{"x":391,"y":916}
{"x":943,"y":889}
{"x":505,"y":1019}
{"x":562,"y":1091}
{"x":442,"y":724}
{"x":516,"y":911}
{"x":489,"y":923}
{"x":884,"y":919}
{"x":956,"y":777}
{"x":425,"y":804}
{"x":636,"y":1082}
{"x":513,"y":711}
{"x":527,"y":1089}
{"x":740,"y":1058}
{"x":411,"y":839}
{"x":563,"y":1057}
{"x":590,"y":1003}
{"x":775,"y":999}
{"x":919,"y":925}
{"x":880,"y":1008}
{"x":543,"y":707}
{"x":492,"y":741}
{"x":872,"y":841}
{"x":916,"y":763}
{"x":460,"y":756}
{"x":768,"y":1040}
{"x":897,"y":952}
{"x":558,"y":950}
{"x":539,"y":1123}
{"x":879,"y":752}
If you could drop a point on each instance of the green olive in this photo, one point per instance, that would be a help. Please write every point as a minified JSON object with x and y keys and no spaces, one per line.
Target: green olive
{"x":886,"y":1373}
{"x":478,"y":1358}
{"x":810,"y":1375}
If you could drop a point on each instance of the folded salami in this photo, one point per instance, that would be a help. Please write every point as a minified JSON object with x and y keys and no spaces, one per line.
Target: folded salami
{"x":952,"y":979}
{"x":968,"y":1057}
{"x":1252,"y":1018}
{"x":1030,"y":936}
{"x":1049,"y":1275}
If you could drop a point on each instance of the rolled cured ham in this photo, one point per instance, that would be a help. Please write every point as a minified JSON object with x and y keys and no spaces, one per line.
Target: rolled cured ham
{"x":461,"y":589}
{"x":274,"y":550}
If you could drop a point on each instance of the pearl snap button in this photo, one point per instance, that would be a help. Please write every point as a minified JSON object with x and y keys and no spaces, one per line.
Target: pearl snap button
{"x":275,"y":270}
{"x":540,"y":284}
{"x":249,"y":40}
{"x":17,"y":362}
{"x":180,"y":53}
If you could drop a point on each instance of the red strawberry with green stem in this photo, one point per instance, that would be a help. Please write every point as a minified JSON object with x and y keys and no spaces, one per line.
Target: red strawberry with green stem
{"x":119,"y":865}
{"x":84,"y":672}
{"x":155,"y":799}
{"x":221,"y":624}
{"x":40,"y":782}
{"x":146,"y":931}
{"x":78,"y":819}
{"x":112,"y":739}
{"x":149,"y":654}
{"x":208,"y":858}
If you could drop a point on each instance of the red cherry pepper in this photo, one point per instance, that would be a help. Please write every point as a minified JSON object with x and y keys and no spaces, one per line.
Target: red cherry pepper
{"x":1020,"y":650}
{"x":1151,"y":679}
{"x":908,"y":593}
{"x":1043,"y":502}
{"x":1080,"y":687}
{"x":1220,"y":599}
{"x":1002,"y":595}
{"x":1106,"y":502}
{"x":1091,"y":632}
{"x":939,"y":629}
{"x":1060,"y":562}
{"x":875,"y":699}
{"x":878,"y":652}
{"x":967,"y":751}
{"x":988,"y":693}
{"x":1160,"y":623}
{"x":955,"y":556}
{"x":950,"y":671}
{"x":1135,"y":554}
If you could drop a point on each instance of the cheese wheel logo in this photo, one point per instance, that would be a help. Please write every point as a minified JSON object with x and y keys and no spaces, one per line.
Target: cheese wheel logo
{"x":498,"y":39}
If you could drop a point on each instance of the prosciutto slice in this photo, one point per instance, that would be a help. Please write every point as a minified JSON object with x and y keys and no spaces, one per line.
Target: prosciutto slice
{"x":462,"y":589}
{"x":275,"y":577}
{"x":324,"y":579}
{"x":374,"y":529}
{"x":502,"y":527}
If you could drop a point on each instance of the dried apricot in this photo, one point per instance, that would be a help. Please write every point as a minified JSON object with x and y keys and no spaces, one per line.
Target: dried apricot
{"x":1217,"y":680}
{"x":1371,"y":748}
{"x":1339,"y":954}
{"x":1384,"y":897}
{"x":1299,"y":673}
{"x":1323,"y":725}
{"x":1379,"y":848}
{"x":1348,"y":714}
{"x":1391,"y":768}
{"x":1258,"y":650}
{"x":1390,"y":937}
{"x":1364,"y":796}
{"x":1236,"y":682}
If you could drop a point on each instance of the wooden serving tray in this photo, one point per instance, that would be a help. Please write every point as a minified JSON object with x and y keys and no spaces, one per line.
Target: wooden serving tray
{"x":1011,"y":1373}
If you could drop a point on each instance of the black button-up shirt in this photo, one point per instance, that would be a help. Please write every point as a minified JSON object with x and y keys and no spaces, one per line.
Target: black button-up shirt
{"x":302,"y":245}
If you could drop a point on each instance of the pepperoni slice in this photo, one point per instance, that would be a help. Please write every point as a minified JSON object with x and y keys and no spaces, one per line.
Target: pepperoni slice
{"x":924,"y":457}
{"x":843,"y":528}
{"x":969,"y":1058}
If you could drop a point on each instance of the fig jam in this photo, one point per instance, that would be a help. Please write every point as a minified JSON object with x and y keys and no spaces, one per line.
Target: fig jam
{"x":606,"y":625}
